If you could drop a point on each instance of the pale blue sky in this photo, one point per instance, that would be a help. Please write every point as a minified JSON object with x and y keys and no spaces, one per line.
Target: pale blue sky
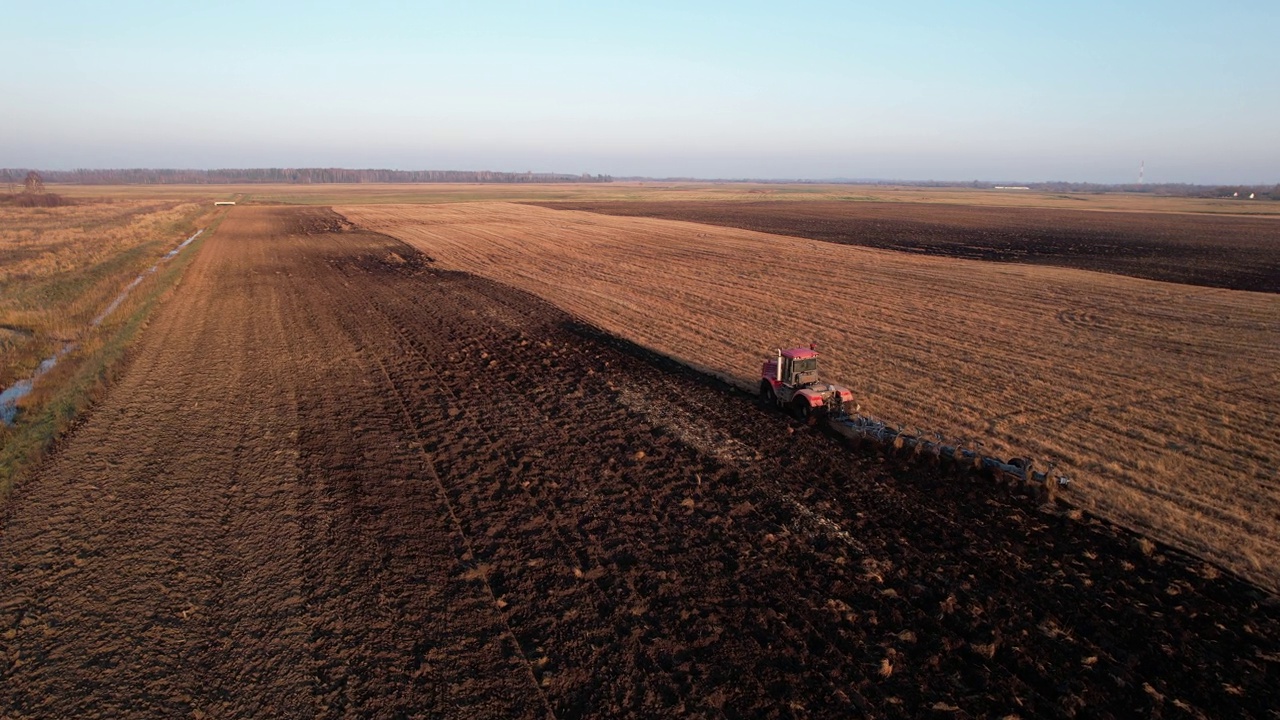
{"x":926,"y":90}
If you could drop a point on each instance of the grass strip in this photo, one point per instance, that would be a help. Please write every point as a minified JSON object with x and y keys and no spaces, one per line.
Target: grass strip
{"x":84,"y":375}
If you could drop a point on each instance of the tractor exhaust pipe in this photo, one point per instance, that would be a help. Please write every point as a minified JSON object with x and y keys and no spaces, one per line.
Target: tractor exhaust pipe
{"x":777,"y":367}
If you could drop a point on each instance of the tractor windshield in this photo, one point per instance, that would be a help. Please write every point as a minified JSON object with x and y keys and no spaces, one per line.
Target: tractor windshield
{"x":809,"y":365}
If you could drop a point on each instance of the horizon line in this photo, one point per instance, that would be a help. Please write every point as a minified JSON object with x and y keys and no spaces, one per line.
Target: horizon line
{"x":15,"y":175}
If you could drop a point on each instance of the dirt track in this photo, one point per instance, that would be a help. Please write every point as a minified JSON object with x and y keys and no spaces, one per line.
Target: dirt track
{"x":336,"y":481}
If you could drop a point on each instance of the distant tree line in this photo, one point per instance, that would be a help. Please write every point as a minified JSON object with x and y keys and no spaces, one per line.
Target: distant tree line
{"x":145,"y":176}
{"x":33,"y":193}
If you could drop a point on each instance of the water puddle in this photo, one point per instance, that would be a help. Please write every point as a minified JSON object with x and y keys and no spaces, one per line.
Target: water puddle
{"x":11,"y":395}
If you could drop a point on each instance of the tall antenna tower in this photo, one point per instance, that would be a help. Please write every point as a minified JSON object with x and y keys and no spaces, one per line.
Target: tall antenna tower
{"x":1142,"y":170}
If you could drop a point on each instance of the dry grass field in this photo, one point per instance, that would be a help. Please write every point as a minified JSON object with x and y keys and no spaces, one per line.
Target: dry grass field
{"x":60,"y":269}
{"x":1159,"y":399}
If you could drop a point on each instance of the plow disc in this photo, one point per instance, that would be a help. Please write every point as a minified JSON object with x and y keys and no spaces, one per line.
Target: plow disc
{"x":864,"y":428}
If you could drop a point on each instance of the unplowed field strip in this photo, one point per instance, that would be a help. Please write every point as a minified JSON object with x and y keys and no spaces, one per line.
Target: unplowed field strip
{"x":336,"y":481}
{"x":1158,"y":399}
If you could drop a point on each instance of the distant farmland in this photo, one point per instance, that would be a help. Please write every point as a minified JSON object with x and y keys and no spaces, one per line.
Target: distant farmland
{"x":1159,"y":398}
{"x":1236,"y":252}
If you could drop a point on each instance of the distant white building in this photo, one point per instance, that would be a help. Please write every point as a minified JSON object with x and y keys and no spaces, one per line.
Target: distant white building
{"x":224,"y":202}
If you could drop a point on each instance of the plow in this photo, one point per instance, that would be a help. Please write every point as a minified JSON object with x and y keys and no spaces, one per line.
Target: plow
{"x":790,"y":381}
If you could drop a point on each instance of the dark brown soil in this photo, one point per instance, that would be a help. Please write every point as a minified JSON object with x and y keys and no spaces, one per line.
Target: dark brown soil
{"x":1240,"y":253}
{"x":336,"y":481}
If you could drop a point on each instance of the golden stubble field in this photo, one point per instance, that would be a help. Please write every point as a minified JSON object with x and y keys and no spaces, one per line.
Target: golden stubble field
{"x":1158,"y":399}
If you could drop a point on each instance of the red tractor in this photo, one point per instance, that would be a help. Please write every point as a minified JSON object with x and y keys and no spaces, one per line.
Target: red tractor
{"x":790,"y":381}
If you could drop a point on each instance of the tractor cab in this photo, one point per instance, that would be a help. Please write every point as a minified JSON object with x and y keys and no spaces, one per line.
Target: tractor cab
{"x":796,"y":367}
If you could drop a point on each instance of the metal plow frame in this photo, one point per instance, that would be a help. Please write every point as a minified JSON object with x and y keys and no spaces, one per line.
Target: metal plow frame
{"x":863,"y":427}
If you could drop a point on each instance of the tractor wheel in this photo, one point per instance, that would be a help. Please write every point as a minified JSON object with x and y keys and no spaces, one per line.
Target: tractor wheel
{"x":767,"y":397}
{"x":803,"y":412}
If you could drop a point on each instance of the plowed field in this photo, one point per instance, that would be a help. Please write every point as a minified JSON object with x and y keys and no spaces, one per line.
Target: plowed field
{"x":336,"y":481}
{"x":1159,"y":399}
{"x":1225,"y":251}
